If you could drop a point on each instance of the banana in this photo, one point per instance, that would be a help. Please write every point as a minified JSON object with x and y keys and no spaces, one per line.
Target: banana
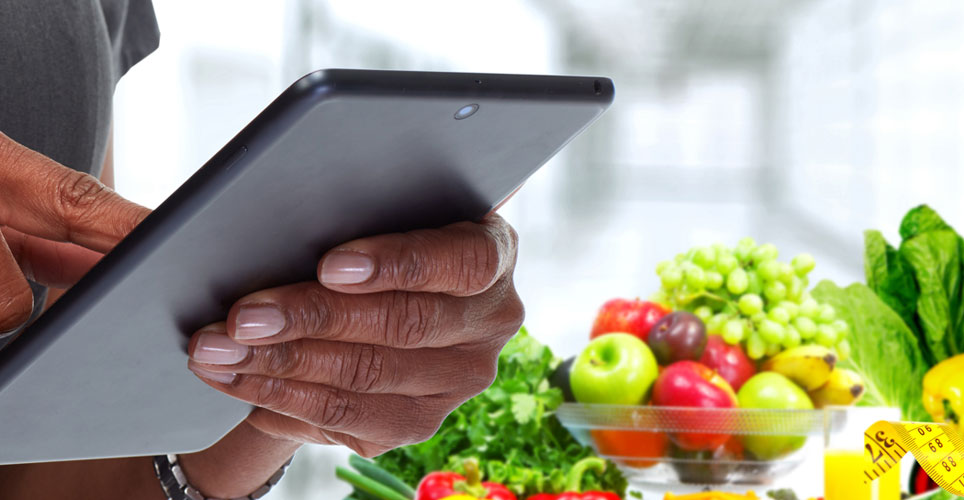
{"x":844,"y":387}
{"x":807,"y":365}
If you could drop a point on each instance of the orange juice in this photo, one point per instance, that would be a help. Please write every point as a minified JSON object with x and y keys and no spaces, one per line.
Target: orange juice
{"x":843,"y":478}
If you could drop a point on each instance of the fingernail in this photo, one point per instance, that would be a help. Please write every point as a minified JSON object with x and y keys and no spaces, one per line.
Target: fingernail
{"x":215,"y":349}
{"x":258,"y":322}
{"x":346,"y":268}
{"x":220,"y":377}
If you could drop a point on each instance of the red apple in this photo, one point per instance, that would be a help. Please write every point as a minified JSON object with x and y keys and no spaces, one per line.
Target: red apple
{"x":728,"y":360}
{"x":694,"y":385}
{"x":629,"y":316}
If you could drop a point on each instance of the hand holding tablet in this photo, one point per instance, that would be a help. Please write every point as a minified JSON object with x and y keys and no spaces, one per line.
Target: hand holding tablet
{"x":323,"y":248}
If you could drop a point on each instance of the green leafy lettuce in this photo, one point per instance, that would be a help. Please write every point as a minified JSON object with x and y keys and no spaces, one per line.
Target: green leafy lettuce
{"x":510,"y":428}
{"x":884,"y":351}
{"x":922,"y":280}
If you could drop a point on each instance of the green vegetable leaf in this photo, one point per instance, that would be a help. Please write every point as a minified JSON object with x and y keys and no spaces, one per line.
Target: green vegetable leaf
{"x":935,"y":257}
{"x":885,"y":351}
{"x":524,"y":408}
{"x":921,"y":219}
{"x":510,"y":428}
{"x":891,"y":277}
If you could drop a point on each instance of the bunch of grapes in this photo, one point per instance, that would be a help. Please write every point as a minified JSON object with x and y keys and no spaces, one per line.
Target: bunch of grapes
{"x":746,"y":295}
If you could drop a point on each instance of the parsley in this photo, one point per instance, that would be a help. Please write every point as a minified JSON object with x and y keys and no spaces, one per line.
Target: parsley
{"x":511,"y":429}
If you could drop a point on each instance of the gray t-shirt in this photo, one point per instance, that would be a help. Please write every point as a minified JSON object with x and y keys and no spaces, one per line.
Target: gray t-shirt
{"x":59,"y":63}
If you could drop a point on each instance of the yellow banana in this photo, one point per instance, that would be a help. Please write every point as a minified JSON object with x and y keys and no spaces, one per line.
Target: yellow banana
{"x":807,"y":365}
{"x":844,"y":387}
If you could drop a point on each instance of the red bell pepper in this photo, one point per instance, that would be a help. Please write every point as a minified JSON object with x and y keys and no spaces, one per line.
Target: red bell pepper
{"x":574,"y":483}
{"x":438,"y":485}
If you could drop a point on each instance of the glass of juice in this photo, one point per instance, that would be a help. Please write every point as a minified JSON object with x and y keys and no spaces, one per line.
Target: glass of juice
{"x":843,"y":458}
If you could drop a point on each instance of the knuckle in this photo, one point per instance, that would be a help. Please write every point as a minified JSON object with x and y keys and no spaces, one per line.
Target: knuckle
{"x":269,"y":393}
{"x":77,"y":190}
{"x":515,"y":311}
{"x":366,"y":371}
{"x":315,"y":316}
{"x":408,"y":269}
{"x":480,"y":264}
{"x":413,"y":319}
{"x":278,"y":360}
{"x":427,"y":422}
{"x":333,"y":409}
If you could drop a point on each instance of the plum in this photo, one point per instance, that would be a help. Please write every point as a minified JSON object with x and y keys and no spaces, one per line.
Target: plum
{"x":678,"y":336}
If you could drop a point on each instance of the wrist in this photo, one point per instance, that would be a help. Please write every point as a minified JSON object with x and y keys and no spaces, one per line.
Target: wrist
{"x":237,"y":465}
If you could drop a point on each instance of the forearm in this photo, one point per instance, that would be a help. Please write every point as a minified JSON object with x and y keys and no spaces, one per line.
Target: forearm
{"x":236,"y":465}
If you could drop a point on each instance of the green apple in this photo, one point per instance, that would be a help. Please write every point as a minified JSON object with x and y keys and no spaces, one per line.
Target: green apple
{"x":770,"y":390}
{"x":616,"y":368}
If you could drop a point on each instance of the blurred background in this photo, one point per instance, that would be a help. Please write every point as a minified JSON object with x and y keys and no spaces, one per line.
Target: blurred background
{"x":797,"y":122}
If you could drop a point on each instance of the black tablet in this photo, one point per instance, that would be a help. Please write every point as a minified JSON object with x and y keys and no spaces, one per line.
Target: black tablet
{"x":341,"y":154}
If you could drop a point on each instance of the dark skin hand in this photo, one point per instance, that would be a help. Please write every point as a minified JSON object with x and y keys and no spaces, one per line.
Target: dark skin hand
{"x":398,"y":331}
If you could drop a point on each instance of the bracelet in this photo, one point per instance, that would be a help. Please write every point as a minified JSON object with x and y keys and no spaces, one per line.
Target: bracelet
{"x":175,"y":485}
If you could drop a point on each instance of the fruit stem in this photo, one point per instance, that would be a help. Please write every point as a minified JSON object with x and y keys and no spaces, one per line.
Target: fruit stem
{"x":574,"y":478}
{"x":473,"y":480}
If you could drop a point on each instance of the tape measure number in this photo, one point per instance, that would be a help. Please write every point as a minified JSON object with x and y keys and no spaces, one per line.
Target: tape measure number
{"x":938,"y":448}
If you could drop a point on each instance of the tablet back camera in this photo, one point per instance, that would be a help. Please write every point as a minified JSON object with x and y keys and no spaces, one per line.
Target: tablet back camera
{"x":466,"y":111}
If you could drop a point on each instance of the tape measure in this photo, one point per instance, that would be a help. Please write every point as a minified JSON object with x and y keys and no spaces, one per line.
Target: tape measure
{"x":938,"y":448}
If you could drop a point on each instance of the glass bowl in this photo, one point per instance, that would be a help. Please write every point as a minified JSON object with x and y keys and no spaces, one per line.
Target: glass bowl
{"x":667,"y":446}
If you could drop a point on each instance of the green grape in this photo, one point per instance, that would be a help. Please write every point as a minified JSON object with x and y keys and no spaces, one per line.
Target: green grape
{"x":737,"y":281}
{"x":826,"y":336}
{"x":726,"y":263}
{"x":695,"y":278}
{"x":704,"y":313}
{"x":714,"y":280}
{"x":843,"y":350}
{"x":663,"y":265}
{"x":767,"y":251}
{"x":806,"y":327}
{"x":803,"y":264}
{"x":842,"y":329}
{"x":786,"y":273}
{"x":775,"y":291}
{"x":809,"y":308}
{"x":827,"y":314}
{"x":660,"y":297}
{"x":780,"y":315}
{"x":795,"y":288}
{"x":671,"y":277}
{"x":754,"y":283}
{"x":715,"y":323}
{"x":769,"y":270}
{"x":773,"y":349}
{"x":771,"y":331}
{"x":758,"y":317}
{"x":679,"y":258}
{"x":750,"y":304}
{"x":705,"y":257}
{"x":733,"y":331}
{"x":792,"y":308}
{"x":755,"y":346}
{"x":746,"y":242}
{"x":792,"y":338}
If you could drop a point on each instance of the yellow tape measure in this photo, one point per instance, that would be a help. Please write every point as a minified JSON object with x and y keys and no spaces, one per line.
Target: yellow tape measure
{"x":938,"y":448}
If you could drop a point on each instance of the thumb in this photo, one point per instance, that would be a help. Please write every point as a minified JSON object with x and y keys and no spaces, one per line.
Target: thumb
{"x":42,"y":198}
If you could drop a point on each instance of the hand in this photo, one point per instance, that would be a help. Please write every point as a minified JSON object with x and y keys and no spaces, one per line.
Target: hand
{"x":57,"y":223}
{"x":401,"y":329}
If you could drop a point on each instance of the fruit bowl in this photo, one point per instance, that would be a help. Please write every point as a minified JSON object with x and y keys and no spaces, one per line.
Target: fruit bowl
{"x":666,"y":446}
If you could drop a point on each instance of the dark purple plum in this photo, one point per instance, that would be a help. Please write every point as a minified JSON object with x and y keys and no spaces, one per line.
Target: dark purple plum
{"x":679,"y":336}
